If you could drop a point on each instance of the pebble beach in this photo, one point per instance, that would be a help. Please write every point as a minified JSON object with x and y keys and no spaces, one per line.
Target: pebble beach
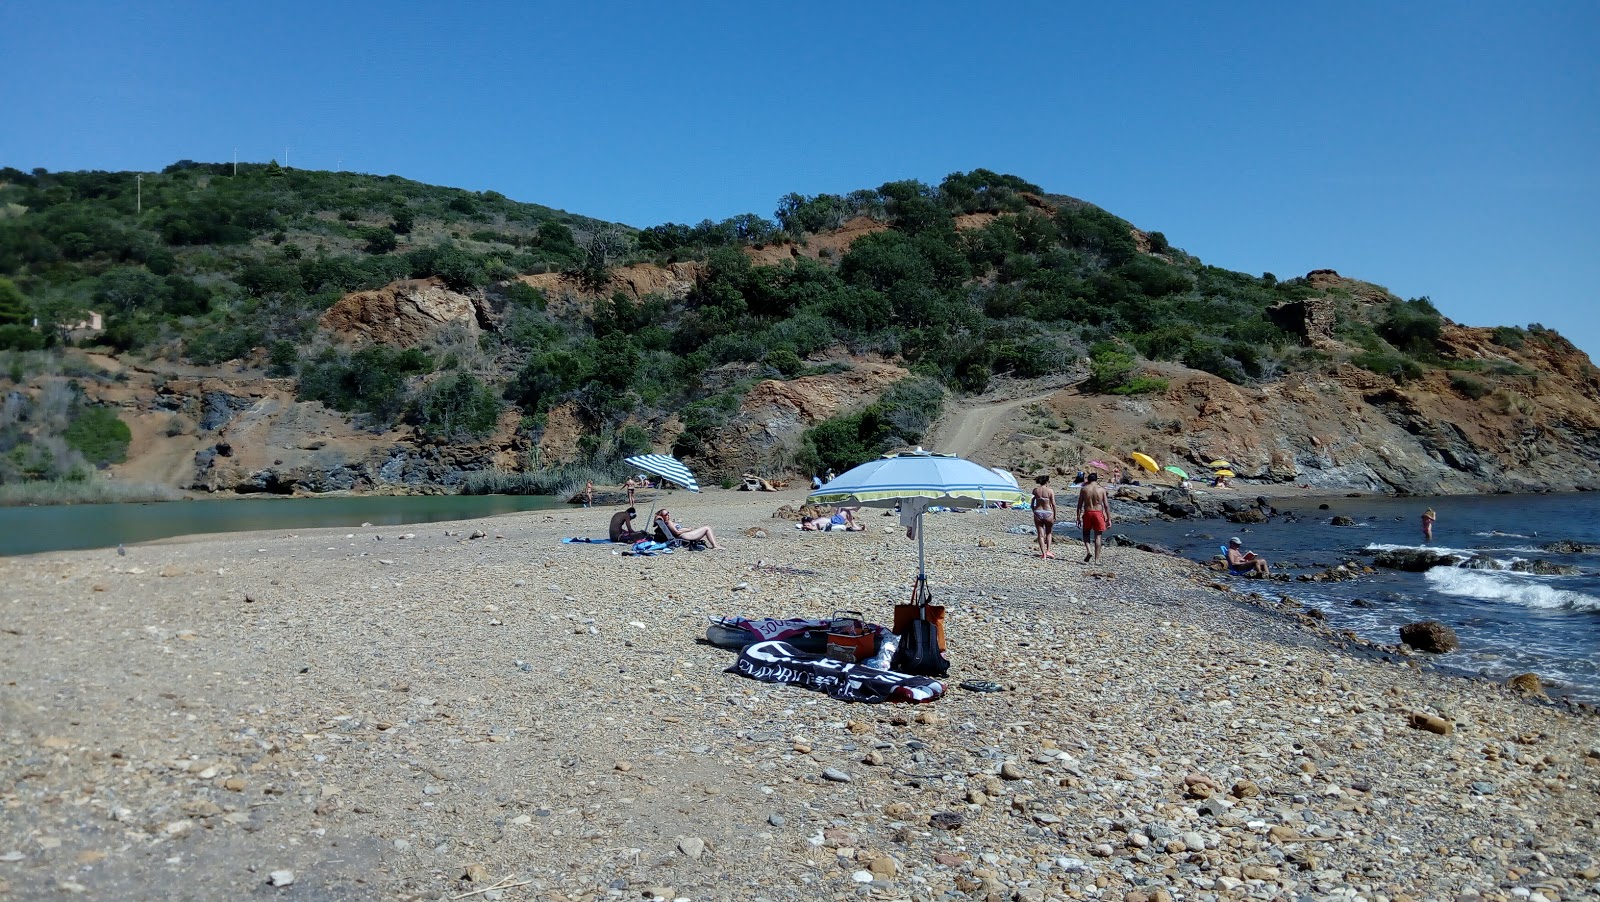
{"x":473,"y":710}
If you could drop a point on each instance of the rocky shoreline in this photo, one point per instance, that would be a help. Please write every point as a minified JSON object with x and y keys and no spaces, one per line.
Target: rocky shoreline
{"x":410,"y":712}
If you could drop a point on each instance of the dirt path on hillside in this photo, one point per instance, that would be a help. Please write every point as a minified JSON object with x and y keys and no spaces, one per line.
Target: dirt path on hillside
{"x":970,"y":428}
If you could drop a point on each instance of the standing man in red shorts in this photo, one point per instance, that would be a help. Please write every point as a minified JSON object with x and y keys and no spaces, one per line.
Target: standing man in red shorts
{"x":1093,"y":515}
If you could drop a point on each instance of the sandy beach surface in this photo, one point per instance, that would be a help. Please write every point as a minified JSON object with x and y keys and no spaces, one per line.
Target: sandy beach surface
{"x":413,"y":713}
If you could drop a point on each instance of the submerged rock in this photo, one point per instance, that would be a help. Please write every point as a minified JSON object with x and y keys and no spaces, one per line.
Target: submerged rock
{"x":1412,"y":560}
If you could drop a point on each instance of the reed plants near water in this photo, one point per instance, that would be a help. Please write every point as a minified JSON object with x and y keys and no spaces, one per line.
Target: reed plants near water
{"x":84,"y":491}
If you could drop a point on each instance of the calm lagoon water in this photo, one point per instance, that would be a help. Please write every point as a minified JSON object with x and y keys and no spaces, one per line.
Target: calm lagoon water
{"x":27,"y":530}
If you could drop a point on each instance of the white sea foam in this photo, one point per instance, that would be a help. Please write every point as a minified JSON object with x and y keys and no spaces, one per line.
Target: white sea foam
{"x":1374,"y":547}
{"x":1490,"y":586}
{"x":1497,"y":534}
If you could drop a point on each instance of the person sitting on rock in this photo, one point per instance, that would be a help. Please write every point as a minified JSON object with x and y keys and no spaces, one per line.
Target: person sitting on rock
{"x":1245,"y":563}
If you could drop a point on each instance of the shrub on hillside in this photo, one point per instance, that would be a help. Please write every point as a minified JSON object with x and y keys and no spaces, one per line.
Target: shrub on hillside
{"x":1397,"y":366}
{"x":100,"y":435}
{"x":458,"y":406}
{"x":1109,"y":368}
{"x":371,"y":381}
{"x":1467,"y":385}
{"x":1509,"y":337}
{"x":1412,"y":326}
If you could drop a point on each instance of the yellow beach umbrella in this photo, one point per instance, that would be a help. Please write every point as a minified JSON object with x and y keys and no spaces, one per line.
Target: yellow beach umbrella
{"x":1145,"y":460}
{"x":1219,"y":462}
{"x":1227,"y":473}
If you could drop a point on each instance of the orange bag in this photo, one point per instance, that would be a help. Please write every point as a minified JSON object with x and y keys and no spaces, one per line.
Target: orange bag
{"x":849,"y":638}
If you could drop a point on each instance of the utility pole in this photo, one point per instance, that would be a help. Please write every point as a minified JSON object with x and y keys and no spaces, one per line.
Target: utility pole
{"x":138,"y":182}
{"x":236,"y":162}
{"x":286,"y":156}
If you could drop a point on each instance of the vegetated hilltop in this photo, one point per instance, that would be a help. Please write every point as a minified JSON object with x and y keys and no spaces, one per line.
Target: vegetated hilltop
{"x":285,"y":331}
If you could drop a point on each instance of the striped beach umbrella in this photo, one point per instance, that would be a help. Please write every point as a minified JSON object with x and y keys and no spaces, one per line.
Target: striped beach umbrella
{"x":667,"y":467}
{"x":913,"y":476}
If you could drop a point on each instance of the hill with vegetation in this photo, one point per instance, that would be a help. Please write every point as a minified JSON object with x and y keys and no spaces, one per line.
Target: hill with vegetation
{"x":284,"y":330}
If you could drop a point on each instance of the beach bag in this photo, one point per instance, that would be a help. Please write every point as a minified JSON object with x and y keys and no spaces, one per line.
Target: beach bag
{"x":918,"y":653}
{"x":849,"y":638}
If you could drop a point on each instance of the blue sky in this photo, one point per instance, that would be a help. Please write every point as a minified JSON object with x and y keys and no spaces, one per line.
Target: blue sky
{"x":1449,"y":150}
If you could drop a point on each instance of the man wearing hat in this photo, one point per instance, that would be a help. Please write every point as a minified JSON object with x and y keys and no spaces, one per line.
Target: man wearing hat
{"x":1245,"y":562}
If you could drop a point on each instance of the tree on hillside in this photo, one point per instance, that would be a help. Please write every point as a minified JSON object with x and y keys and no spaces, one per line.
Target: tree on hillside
{"x":600,"y":251}
{"x":13,"y":306}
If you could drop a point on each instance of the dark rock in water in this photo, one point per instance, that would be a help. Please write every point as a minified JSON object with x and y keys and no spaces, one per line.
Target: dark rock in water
{"x":1412,"y":560}
{"x":1342,"y":520}
{"x":1545,"y":568}
{"x":1567,"y":546}
{"x":1430,"y":636}
{"x":1322,"y":507}
{"x":1249,"y":515}
{"x":1122,"y":541}
{"x":1483,"y":562}
{"x":1360,"y":603}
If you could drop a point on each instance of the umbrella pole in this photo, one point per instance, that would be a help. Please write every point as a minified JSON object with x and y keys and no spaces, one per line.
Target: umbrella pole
{"x":922,"y":560}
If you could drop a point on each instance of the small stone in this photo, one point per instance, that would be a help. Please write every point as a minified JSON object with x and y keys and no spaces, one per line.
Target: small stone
{"x":1010,"y":771}
{"x":1432,"y":724}
{"x":1484,"y":788}
{"x":884,"y":867}
{"x":1102,"y":850}
{"x":862,"y":877}
{"x":1194,"y":842}
{"x":280,"y":878}
{"x":692,"y":846}
{"x":834,"y":775}
{"x":775,"y":819}
{"x":234,"y":784}
{"x":1246,"y":789}
{"x":477,"y":534}
{"x":874,"y":758}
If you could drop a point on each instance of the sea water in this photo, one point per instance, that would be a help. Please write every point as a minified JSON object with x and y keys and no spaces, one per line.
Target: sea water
{"x":1508,"y":622}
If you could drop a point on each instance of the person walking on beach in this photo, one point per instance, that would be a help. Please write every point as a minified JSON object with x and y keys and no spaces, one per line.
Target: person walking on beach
{"x":1428,"y":516}
{"x":588,"y":494}
{"x":1093,"y":515}
{"x":630,"y":487}
{"x":1044,"y":514}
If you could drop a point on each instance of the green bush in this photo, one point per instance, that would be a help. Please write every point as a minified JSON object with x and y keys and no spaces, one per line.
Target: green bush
{"x":1467,"y":385}
{"x":1412,"y":326}
{"x":1397,"y":366}
{"x":100,"y":435}
{"x":458,"y":406}
{"x":370,"y":382}
{"x":1141,"y":385}
{"x":1109,"y":368}
{"x":21,"y":338}
{"x":1509,"y":337}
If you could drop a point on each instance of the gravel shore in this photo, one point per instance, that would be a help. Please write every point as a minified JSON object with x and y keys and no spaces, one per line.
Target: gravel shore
{"x":410,"y":712}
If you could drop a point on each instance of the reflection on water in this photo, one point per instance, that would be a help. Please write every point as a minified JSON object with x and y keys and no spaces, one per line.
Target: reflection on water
{"x":26,"y":530}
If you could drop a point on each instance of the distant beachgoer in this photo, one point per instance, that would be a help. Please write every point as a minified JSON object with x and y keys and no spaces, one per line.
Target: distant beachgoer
{"x":1428,"y":516}
{"x":588,"y":494}
{"x":1093,"y":515}
{"x":844,"y":517}
{"x":1044,"y":514}
{"x":1244,"y":562}
{"x":630,"y":486}
{"x":816,"y":481}
{"x":831,"y":476}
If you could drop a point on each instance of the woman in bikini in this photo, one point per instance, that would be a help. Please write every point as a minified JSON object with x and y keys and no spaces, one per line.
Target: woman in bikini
{"x":1044,"y":514}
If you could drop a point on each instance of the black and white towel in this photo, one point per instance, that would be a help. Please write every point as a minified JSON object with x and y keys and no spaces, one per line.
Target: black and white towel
{"x":780,"y":662}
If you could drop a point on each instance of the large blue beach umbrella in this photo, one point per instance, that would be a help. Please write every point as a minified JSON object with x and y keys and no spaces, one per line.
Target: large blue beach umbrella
{"x":913,"y":475}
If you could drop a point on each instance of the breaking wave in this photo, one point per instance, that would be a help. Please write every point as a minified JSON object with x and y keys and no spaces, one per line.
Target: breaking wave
{"x":1489,"y":586}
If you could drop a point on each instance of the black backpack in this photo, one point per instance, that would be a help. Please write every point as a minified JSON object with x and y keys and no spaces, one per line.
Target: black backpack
{"x":918,"y":653}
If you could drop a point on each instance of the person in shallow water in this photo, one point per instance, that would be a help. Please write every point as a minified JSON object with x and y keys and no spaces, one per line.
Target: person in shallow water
{"x":1428,"y":516}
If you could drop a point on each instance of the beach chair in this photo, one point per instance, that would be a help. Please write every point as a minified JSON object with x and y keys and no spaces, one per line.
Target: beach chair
{"x":665,"y":534}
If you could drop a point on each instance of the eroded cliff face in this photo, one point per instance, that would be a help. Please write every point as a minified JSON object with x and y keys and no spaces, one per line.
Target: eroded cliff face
{"x":405,"y":313}
{"x":1352,"y":429}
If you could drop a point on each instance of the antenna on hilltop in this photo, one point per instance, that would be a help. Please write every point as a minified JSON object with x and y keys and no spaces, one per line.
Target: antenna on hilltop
{"x":236,"y":162}
{"x":286,"y":156}
{"x":138,"y":182}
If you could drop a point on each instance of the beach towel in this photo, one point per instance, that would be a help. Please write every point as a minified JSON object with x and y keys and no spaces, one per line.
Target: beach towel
{"x":780,"y":662}
{"x":769,"y":628}
{"x":579,"y":540}
{"x":647,"y":548}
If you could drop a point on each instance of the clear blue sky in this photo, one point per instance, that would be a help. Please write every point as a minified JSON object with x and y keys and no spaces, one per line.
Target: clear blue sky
{"x":1448,"y":149}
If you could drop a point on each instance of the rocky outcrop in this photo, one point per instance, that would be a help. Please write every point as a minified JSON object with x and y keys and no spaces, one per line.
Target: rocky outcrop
{"x":567,"y":293}
{"x":402,"y":314}
{"x":1311,"y":319}
{"x":1413,"y":560}
{"x":1430,"y":636}
{"x":761,"y":437}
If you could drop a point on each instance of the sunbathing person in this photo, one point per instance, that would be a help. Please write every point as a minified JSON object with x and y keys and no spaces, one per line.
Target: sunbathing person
{"x":1243,"y":562}
{"x":843,"y":517}
{"x":622,"y":528}
{"x":671,"y":529}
